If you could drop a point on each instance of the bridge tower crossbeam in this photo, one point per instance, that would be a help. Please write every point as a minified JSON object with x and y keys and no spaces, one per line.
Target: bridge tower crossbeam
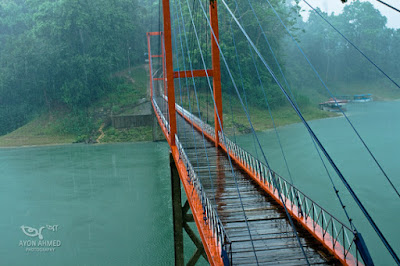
{"x":169,"y":74}
{"x":215,"y":243}
{"x":209,"y":246}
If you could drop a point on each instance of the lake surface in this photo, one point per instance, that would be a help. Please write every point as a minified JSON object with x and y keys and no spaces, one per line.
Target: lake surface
{"x":379,"y":125}
{"x":111,"y":204}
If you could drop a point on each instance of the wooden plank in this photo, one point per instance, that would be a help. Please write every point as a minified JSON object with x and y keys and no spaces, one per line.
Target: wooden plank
{"x":273,"y":238}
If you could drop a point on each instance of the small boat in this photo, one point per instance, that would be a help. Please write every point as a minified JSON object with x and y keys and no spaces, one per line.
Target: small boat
{"x":333,"y":105}
{"x":362,"y":98}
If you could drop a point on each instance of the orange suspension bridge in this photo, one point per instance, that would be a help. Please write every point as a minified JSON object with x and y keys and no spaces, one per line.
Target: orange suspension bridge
{"x":244,"y":211}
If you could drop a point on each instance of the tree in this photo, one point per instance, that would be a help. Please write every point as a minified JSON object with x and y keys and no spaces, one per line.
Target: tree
{"x":333,"y":57}
{"x":63,"y":52}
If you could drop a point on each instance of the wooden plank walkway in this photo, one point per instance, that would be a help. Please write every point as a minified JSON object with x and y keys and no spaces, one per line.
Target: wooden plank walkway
{"x":273,"y":239}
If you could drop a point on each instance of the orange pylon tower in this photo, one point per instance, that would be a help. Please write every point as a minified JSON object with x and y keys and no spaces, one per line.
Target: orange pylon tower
{"x":215,"y":72}
{"x":216,"y":67}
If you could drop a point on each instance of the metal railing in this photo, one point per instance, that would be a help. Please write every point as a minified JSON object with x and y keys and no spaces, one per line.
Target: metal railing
{"x":339,"y":237}
{"x":161,"y":115}
{"x":204,"y":126}
{"x":323,"y":224}
{"x":209,"y":213}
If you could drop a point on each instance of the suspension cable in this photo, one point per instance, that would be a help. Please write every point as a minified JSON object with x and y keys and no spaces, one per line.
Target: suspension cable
{"x":350,"y":42}
{"x":241,"y":80}
{"x":270,"y":112}
{"x":386,"y":4}
{"x":351,"y":124}
{"x":347,"y":185}
{"x":232,"y":116}
{"x":207,"y":63}
{"x":294,"y":100}
{"x":251,"y":125}
{"x":177,"y":63}
{"x":219,"y":121}
{"x":194,"y":85}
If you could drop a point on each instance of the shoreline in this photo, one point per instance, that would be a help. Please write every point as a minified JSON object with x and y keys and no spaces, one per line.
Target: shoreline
{"x":76,"y":143}
{"x":31,"y":145}
{"x":25,"y":145}
{"x":35,"y":145}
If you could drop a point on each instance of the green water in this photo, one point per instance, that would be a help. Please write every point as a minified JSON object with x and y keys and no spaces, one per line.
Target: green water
{"x":112,"y":204}
{"x":378,"y":123}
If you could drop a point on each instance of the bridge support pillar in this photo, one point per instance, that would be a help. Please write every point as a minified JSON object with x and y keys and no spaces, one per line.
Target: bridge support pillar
{"x":181,"y":218}
{"x":177,"y":216}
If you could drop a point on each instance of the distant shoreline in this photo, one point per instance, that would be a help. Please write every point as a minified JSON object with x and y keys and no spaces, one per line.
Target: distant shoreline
{"x":69,"y":141}
{"x":26,"y":141}
{"x":67,"y":144}
{"x":34,"y":145}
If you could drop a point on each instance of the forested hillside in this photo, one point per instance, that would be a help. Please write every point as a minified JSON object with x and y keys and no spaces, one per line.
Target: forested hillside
{"x":339,"y":64}
{"x":62,"y":53}
{"x":57,"y":54}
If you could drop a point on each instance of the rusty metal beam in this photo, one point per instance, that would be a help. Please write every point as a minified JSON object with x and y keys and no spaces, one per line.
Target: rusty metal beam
{"x":216,"y":70}
{"x":169,"y":71}
{"x":177,"y":216}
{"x":195,"y":257}
{"x":195,"y":240}
{"x":196,"y":73}
{"x":154,"y":33}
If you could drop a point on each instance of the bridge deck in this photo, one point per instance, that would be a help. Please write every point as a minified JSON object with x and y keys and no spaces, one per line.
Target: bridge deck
{"x":273,"y":238}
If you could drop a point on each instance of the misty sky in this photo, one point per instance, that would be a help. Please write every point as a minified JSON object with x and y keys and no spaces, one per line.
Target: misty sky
{"x":336,"y":6}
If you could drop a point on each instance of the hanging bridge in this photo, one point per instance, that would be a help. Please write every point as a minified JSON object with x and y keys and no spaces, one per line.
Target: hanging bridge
{"x":244,"y":211}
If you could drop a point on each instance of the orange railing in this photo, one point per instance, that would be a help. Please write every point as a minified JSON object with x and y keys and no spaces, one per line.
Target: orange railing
{"x":210,"y":214}
{"x":338,"y":238}
{"x":219,"y":238}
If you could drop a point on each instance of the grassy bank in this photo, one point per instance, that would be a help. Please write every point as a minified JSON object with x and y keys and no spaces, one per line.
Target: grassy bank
{"x":62,"y":125}
{"x":127,"y":135}
{"x":43,"y":130}
{"x":236,"y":119}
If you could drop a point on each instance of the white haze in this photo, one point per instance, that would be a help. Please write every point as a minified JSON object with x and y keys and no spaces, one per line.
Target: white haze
{"x":336,"y":6}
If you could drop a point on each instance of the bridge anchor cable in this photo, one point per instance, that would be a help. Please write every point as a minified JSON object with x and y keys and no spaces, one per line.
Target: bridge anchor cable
{"x":328,"y":157}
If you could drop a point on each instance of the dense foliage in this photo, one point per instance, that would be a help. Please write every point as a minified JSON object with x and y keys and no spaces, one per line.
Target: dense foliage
{"x":234,"y":44}
{"x":334,"y":58}
{"x":62,"y":52}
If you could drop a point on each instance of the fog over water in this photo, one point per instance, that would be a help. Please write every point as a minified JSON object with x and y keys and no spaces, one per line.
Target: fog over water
{"x":377,"y":123}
